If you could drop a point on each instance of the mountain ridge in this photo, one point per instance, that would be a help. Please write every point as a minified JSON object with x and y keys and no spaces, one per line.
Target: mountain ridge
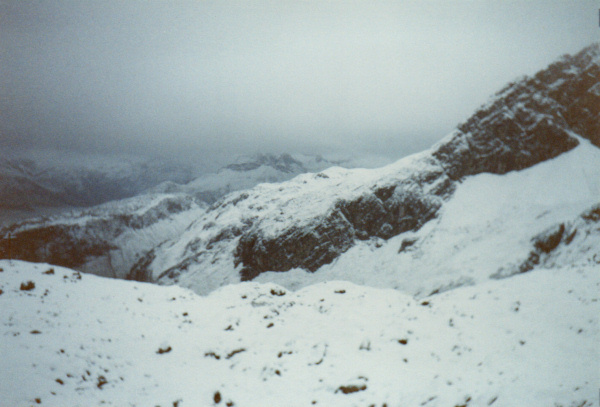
{"x":523,"y":125}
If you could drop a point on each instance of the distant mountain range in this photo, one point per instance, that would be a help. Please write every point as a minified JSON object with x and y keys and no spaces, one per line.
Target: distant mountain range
{"x":28,"y":184}
{"x":41,"y":184}
{"x":249,"y":171}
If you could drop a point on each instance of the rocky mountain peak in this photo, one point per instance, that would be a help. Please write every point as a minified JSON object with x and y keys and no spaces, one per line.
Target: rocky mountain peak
{"x":529,"y":120}
{"x":283,"y":162}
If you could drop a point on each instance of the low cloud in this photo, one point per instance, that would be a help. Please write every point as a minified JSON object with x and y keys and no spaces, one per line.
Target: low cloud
{"x":208,"y":80}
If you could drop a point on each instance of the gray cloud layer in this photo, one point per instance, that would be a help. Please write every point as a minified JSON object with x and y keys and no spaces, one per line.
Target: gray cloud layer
{"x":213,"y":78}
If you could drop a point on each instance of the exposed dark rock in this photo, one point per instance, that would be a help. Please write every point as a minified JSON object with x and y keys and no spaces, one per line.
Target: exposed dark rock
{"x":226,"y":234}
{"x":384,"y":193}
{"x":234,"y":352}
{"x":366,"y":214}
{"x":73,"y":244}
{"x":548,"y":243}
{"x":406,"y":208}
{"x":141,"y":269}
{"x":101,"y":382}
{"x":502,"y":145}
{"x":549,"y":240}
{"x":63,"y":245}
{"x":164,"y":349}
{"x":406,"y":243}
{"x":307,"y":247}
{"x":28,"y":286}
{"x":592,"y":215}
{"x":570,"y":236}
{"x":352,"y":388}
{"x":277,"y":292}
{"x":212,"y":354}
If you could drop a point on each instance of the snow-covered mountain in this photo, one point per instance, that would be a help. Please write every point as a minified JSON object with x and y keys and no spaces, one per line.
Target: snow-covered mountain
{"x":248,"y":171}
{"x":71,"y":339}
{"x":107,"y":239}
{"x":460,"y":212}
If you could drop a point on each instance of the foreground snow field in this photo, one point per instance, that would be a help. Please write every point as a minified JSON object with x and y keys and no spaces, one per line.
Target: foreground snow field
{"x":80,"y":340}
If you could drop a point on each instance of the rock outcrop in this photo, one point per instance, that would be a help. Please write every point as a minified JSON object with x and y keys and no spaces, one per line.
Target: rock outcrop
{"x":571,"y":243}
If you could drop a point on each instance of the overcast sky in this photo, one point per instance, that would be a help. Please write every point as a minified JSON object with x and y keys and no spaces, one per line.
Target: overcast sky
{"x":207,"y":80}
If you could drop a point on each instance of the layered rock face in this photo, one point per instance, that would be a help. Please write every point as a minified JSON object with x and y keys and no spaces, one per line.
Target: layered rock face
{"x":572,"y":243}
{"x":528,"y":121}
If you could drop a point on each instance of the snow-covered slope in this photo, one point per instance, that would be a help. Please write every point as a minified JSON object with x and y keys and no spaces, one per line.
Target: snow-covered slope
{"x":529,"y":158}
{"x":107,"y":239}
{"x":80,"y":340}
{"x":249,"y":171}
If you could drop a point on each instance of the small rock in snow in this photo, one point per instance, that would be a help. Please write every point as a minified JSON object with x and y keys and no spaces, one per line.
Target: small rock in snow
{"x":28,"y":286}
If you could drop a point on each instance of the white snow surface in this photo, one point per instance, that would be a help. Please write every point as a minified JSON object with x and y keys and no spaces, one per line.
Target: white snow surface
{"x":81,"y":340}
